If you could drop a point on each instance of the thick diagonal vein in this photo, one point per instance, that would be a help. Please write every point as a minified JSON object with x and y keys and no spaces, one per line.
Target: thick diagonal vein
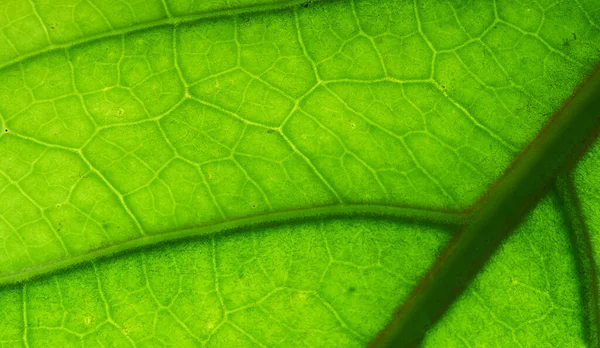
{"x":495,"y":217}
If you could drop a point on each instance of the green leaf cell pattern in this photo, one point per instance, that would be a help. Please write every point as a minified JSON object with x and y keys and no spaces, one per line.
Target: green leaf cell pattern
{"x":342,"y":102}
{"x":333,"y":283}
{"x":49,"y":24}
{"x":125,"y":123}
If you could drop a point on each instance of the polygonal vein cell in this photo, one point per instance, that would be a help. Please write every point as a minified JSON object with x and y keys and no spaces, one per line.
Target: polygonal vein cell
{"x":344,"y":102}
{"x":329,"y":283}
{"x":51,"y":24}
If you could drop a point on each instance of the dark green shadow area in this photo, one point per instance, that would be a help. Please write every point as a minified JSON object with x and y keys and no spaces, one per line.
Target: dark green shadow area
{"x":584,"y":256}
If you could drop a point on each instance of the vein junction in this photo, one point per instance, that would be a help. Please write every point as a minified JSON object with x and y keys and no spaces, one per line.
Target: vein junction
{"x":195,"y":124}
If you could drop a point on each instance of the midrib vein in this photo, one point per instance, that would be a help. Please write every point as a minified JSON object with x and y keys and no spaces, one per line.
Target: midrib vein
{"x":170,"y":20}
{"x":404,"y":214}
{"x":495,"y":215}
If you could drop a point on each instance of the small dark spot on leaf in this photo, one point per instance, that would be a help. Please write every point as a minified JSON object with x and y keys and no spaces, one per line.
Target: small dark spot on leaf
{"x":308,"y":3}
{"x":574,"y":36}
{"x":351,"y":289}
{"x":6,"y":130}
{"x":254,"y":206}
{"x":270,"y":131}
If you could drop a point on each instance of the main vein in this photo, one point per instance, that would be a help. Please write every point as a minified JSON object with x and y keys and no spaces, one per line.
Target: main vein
{"x":495,"y":216}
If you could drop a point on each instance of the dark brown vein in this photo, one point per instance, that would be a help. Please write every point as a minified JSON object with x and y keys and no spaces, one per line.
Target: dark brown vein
{"x":495,"y":215}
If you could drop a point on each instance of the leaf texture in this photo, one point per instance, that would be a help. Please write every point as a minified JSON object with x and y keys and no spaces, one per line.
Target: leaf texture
{"x":179,"y":126}
{"x":50,"y":24}
{"x":130,"y":123}
{"x":528,"y":294}
{"x":332,"y":283}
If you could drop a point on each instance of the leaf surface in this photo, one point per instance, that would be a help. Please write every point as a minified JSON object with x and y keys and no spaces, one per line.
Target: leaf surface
{"x":51,"y":24}
{"x":127,"y":124}
{"x":327,"y":283}
{"x":528,"y":294}
{"x":181,"y":126}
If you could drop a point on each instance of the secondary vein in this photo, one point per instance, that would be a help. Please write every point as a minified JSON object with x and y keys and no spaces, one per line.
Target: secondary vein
{"x":169,"y":20}
{"x":408,"y":214}
{"x":582,"y":248}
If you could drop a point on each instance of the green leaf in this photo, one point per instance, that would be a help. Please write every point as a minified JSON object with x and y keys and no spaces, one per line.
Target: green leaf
{"x":51,"y":24}
{"x":528,"y":294}
{"x":587,"y":184}
{"x":584,"y":186}
{"x":281,"y":286}
{"x":126,"y":124}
